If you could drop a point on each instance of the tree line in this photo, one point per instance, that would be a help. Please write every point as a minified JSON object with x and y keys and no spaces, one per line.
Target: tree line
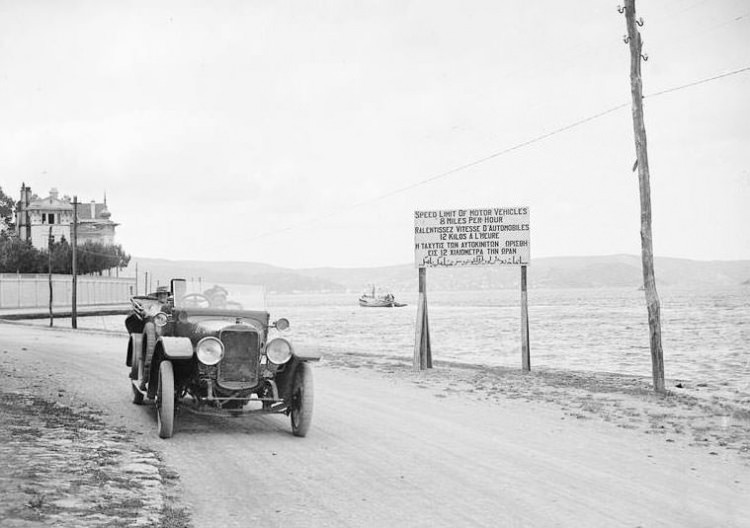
{"x":20,"y":256}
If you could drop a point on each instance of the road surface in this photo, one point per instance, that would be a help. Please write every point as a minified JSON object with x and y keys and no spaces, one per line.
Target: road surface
{"x":395,"y":452}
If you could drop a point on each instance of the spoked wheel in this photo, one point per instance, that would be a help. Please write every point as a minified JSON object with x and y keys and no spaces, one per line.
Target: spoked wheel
{"x":302,"y":400}
{"x":165,"y":400}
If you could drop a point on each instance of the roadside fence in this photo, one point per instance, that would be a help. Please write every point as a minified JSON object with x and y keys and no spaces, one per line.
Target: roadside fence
{"x":32,"y":291}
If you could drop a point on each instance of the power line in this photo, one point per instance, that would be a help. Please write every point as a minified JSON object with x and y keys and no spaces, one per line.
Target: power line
{"x":696,"y":83}
{"x":499,"y":153}
{"x":448,"y":172}
{"x":547,"y":135}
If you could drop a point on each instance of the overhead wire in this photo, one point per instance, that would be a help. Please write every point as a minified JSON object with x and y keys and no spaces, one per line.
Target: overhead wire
{"x":497,"y":154}
{"x":571,"y":54}
{"x":542,"y":137}
{"x":696,"y":83}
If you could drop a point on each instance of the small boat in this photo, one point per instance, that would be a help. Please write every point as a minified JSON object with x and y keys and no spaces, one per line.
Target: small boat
{"x":371,"y":298}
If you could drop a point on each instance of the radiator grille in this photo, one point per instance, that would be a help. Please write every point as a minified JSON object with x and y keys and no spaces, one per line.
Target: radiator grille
{"x":239,"y":368}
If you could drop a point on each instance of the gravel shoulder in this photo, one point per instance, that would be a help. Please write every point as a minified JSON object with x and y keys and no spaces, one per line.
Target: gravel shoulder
{"x":63,"y":462}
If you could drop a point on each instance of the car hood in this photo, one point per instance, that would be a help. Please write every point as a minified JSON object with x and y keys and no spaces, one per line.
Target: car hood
{"x":216,"y":320}
{"x":215,"y":325}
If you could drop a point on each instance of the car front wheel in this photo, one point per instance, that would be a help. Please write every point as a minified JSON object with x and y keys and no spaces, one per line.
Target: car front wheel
{"x":302,"y":400}
{"x":165,"y":400}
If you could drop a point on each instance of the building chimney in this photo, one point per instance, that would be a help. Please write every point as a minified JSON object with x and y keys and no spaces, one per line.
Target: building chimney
{"x":25,"y":194}
{"x":93,"y":209}
{"x":53,"y":193}
{"x":24,"y":222}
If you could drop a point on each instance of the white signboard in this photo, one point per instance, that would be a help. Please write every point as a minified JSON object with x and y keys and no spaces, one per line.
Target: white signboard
{"x":472,"y":237}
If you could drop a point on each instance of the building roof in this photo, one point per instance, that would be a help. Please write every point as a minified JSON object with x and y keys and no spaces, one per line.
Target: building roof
{"x":100,"y":211}
{"x":53,"y":203}
{"x":50,"y":204}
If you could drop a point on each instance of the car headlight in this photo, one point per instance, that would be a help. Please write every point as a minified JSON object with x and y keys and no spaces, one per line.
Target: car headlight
{"x":278,"y":351}
{"x":209,"y":350}
{"x":161,"y":319}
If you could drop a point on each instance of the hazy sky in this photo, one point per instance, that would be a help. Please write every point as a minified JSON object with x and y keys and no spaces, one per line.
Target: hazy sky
{"x":306,"y":133}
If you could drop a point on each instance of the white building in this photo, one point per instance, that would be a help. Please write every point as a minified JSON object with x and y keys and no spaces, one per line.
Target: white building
{"x":35,"y":217}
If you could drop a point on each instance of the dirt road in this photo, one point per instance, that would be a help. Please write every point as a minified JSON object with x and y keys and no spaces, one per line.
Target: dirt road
{"x":389,"y":452}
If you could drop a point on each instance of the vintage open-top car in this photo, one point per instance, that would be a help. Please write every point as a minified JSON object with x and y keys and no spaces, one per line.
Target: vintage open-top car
{"x":212,"y":355}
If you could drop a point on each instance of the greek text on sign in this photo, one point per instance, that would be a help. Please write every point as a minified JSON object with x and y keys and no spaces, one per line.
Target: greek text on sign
{"x":472,"y":237}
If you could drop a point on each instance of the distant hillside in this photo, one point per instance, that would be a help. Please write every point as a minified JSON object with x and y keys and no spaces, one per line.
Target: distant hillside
{"x":557,"y":272}
{"x":273,"y":278}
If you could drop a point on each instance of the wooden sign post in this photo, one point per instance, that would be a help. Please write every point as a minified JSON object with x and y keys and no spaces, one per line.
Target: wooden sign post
{"x":525,"y":349}
{"x":422,"y":349}
{"x":497,"y":236}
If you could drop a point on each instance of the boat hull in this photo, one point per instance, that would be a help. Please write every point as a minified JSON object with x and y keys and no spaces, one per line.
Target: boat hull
{"x":379,"y":303}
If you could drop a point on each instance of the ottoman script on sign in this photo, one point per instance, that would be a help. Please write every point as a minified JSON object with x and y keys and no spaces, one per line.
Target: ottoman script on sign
{"x":472,"y":237}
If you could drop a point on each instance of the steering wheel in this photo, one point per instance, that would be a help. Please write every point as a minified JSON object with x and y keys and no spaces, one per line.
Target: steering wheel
{"x":195,"y":300}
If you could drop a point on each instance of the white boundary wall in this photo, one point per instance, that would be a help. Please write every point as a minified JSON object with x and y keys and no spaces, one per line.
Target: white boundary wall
{"x":32,"y":291}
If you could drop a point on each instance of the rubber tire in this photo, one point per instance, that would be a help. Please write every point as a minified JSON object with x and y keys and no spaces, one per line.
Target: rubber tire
{"x":165,"y":400}
{"x":149,"y":340}
{"x":134,"y":364}
{"x":148,"y":343}
{"x":302,"y":400}
{"x":138,"y":368}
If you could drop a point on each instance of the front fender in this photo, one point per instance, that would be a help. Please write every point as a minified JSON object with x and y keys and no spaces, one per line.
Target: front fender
{"x":167,"y":348}
{"x":285,"y":378}
{"x":134,"y":324}
{"x":175,"y":347}
{"x":135,"y":345}
{"x":307,"y":355}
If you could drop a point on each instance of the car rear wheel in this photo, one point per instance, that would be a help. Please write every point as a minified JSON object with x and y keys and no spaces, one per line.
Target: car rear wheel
{"x":302,"y":400}
{"x":165,"y":400}
{"x":138,"y":373}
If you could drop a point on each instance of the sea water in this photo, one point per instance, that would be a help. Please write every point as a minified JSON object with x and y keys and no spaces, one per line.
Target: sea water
{"x":705,"y":333}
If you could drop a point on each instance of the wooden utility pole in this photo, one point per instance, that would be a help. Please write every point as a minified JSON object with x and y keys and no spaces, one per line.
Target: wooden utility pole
{"x":633,"y":39}
{"x":49,"y":269}
{"x":74,"y":248}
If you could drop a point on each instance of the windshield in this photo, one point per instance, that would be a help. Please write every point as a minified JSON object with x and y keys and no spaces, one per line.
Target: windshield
{"x":229,"y":297}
